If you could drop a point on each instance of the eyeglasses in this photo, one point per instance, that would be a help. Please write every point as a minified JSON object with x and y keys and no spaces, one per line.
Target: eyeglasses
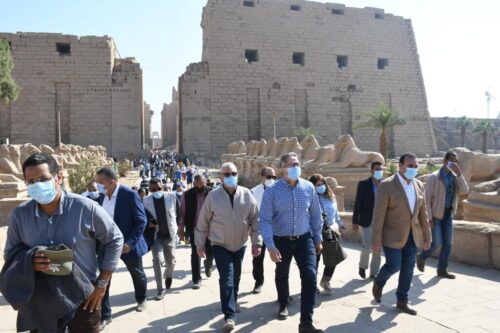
{"x":270,"y":177}
{"x":296,"y":164}
{"x":229,"y":174}
{"x":39,"y":180}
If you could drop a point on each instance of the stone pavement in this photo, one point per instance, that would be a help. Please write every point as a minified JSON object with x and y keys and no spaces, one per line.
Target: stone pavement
{"x":469,"y":304}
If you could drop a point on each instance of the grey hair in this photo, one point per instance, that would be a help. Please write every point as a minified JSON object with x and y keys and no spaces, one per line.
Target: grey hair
{"x":284,"y":158}
{"x":230,"y":165}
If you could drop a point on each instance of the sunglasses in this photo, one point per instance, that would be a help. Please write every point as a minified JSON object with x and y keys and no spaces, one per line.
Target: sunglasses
{"x":229,"y":174}
{"x":270,"y":177}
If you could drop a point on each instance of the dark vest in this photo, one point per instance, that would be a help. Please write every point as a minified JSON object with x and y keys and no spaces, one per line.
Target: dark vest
{"x":191,"y":202}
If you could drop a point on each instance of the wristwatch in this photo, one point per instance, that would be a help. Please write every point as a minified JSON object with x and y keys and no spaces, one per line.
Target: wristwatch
{"x":102,"y":284}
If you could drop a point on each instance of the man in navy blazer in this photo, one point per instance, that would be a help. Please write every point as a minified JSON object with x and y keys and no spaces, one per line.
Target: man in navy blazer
{"x":126,"y":209}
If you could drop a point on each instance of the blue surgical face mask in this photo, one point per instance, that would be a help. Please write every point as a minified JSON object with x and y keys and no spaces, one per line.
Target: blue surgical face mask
{"x":449,"y":165}
{"x":410,"y":173}
{"x":321,"y":189}
{"x":378,"y":174}
{"x":93,"y":195}
{"x":43,"y":192}
{"x":231,"y":181}
{"x":158,"y":194}
{"x":101,"y":188}
{"x":294,"y":172}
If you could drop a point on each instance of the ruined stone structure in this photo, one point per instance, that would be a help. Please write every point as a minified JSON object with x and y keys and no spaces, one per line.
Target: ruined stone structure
{"x":169,"y":121}
{"x":448,"y":135}
{"x":148,"y":114}
{"x":269,"y":67}
{"x":81,"y":81}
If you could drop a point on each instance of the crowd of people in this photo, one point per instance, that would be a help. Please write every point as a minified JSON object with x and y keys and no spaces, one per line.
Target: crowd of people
{"x":287,"y":217}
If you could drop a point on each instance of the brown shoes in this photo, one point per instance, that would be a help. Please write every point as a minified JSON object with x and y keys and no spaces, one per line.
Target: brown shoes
{"x":377,"y":292}
{"x":406,"y":309}
{"x":445,"y":275}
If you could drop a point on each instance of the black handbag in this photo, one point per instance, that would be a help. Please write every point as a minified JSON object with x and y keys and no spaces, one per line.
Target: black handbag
{"x":333,"y":253}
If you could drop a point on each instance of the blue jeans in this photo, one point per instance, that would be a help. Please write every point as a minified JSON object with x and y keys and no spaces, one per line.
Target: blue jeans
{"x":402,"y":260}
{"x":304,"y":252}
{"x":229,"y":267}
{"x":139,"y":280}
{"x":442,"y":236}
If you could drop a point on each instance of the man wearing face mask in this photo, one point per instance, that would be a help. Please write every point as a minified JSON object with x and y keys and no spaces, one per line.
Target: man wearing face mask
{"x":127,"y":210}
{"x":55,"y":217}
{"x":290,"y":222}
{"x":400,"y":225}
{"x":191,"y":203}
{"x":442,"y":192}
{"x":92,"y":191}
{"x":267,"y":179}
{"x":229,"y":215}
{"x":362,"y":217}
{"x":162,"y":207}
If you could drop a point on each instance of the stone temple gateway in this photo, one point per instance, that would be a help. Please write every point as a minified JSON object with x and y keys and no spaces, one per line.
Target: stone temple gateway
{"x":270,"y":67}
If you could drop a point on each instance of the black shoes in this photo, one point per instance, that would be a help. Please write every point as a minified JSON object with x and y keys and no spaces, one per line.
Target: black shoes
{"x":160,"y":295}
{"x":283,"y":312}
{"x":362,"y":273}
{"x":208,"y":269}
{"x":168,"y":283}
{"x":257,"y":289}
{"x":308,"y":328}
{"x":377,"y":292}
{"x":420,"y":263}
{"x":104,"y":323}
{"x":403,"y":306}
{"x":443,"y":273}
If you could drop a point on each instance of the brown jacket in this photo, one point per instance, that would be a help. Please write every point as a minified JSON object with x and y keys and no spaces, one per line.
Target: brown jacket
{"x":392,"y":217}
{"x":228,"y":226}
{"x":435,"y":194}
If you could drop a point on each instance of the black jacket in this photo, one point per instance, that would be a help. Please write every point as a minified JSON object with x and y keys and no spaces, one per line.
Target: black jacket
{"x":363,"y":205}
{"x":44,"y":302}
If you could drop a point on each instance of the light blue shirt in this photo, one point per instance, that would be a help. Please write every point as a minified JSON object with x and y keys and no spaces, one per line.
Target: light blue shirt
{"x":329,"y":207}
{"x":77,"y":223}
{"x":290,"y":211}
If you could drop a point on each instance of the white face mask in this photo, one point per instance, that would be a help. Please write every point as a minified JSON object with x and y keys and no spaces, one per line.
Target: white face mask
{"x":269,"y":182}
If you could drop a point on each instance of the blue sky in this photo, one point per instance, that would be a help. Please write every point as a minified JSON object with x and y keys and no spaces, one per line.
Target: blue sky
{"x":457,"y":40}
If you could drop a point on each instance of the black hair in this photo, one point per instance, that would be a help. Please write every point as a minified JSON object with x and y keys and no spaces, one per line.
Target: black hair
{"x":314,"y":179}
{"x":108,"y":173}
{"x":374,"y":164}
{"x":405,"y":156}
{"x":156,"y":181}
{"x":197,"y":177}
{"x":41,"y":158}
{"x":264,"y":170}
{"x":449,"y":154}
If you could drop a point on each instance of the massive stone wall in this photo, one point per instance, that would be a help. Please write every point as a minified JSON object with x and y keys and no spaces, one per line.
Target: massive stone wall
{"x":99,"y":97}
{"x":169,"y":121}
{"x":248,"y":77}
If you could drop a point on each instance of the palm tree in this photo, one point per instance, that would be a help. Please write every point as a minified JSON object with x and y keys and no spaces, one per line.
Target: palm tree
{"x":485,"y":127}
{"x":384,"y":118}
{"x":304,"y":132}
{"x":463,"y":123}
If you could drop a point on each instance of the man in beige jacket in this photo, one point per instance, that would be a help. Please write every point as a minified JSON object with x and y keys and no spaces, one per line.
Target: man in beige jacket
{"x":400,"y":225}
{"x":442,"y":192}
{"x":229,"y":215}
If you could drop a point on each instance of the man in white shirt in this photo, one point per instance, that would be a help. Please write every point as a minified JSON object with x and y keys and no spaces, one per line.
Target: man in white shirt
{"x":267,"y":179}
{"x":400,"y":225}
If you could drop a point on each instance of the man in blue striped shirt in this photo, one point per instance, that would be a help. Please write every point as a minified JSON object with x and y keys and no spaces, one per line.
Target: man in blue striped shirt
{"x":290,"y":223}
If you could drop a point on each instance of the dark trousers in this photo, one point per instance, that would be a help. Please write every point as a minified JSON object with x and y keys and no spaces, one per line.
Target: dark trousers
{"x":304,"y":252}
{"x":442,"y":236}
{"x":83,"y":321}
{"x":402,"y":261}
{"x":229,"y":267}
{"x":196,"y":260}
{"x":328,"y":271}
{"x":139,"y":280}
{"x":258,"y":267}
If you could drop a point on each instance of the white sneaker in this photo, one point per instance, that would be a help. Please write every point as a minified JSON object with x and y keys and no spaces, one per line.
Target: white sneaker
{"x":229,"y":325}
{"x":326,"y":286}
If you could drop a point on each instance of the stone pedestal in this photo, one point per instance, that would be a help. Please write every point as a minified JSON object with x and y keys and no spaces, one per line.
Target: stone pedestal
{"x":348,"y":178}
{"x":12,"y":190}
{"x":483,"y":207}
{"x":6,"y":207}
{"x":339,"y":195}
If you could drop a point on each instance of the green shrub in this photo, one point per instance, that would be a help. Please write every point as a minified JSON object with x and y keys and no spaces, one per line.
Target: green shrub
{"x":123,"y":168}
{"x":392,"y":168}
{"x":84,"y":172}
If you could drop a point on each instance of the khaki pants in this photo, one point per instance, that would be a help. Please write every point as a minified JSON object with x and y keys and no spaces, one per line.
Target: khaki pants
{"x":366,"y":249}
